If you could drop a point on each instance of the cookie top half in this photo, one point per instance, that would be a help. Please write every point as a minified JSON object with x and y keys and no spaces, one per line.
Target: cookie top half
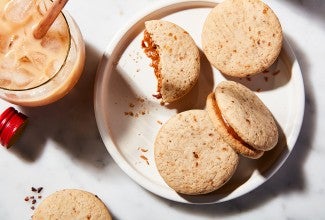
{"x":242,"y":37}
{"x":190,"y":155}
{"x":72,"y":204}
{"x":176,"y":60}
{"x":247,"y":115}
{"x":227,"y":133}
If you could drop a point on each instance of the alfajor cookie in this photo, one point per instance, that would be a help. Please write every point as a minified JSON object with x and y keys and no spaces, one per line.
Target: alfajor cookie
{"x":175,"y":58}
{"x":242,"y":119}
{"x":72,"y":204}
{"x":190,"y":155}
{"x":242,"y":38}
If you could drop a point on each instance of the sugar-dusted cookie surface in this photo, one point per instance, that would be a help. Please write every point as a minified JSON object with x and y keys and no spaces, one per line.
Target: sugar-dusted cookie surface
{"x":191,"y":156}
{"x":175,"y":58}
{"x":242,"y":37}
{"x":242,"y":119}
{"x":71,"y":204}
{"x":228,"y":136}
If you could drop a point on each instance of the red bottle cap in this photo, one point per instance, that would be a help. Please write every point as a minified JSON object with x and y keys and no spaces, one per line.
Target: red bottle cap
{"x":12,"y":123}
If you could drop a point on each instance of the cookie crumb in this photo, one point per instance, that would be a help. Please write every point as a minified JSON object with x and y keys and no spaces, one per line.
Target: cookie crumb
{"x":139,"y":99}
{"x":129,"y":113}
{"x":144,"y":158}
{"x":159,"y":122}
{"x":144,"y":150}
{"x":34,"y":198}
{"x":136,"y":108}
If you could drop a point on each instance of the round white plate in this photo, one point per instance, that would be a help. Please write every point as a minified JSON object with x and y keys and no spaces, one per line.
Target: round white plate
{"x":129,"y":117}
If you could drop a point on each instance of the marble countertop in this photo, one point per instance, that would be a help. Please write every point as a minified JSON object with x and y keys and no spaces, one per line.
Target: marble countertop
{"x":61,"y":147}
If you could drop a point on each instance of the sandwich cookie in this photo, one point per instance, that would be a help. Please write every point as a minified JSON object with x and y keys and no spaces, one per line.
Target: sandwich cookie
{"x":242,"y":119}
{"x":190,"y":155}
{"x":72,"y":204}
{"x":175,"y":58}
{"x":242,"y":38}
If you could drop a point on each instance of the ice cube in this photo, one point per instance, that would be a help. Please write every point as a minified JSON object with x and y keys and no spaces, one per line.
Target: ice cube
{"x":22,"y":78}
{"x":51,"y":42}
{"x":8,"y":61}
{"x":53,"y":68}
{"x":5,"y":79}
{"x":59,"y":26}
{"x":43,"y":6}
{"x":38,"y":59}
{"x":6,"y":42}
{"x":18,"y":11}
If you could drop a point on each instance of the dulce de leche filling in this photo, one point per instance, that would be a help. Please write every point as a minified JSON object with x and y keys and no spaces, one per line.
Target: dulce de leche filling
{"x":230,"y":130}
{"x":151,"y":50}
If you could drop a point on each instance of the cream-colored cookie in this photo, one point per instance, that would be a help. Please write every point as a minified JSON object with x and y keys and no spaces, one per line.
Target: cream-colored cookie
{"x":226,"y":133}
{"x":242,"y":38}
{"x":70,"y":204}
{"x":191,"y":156}
{"x":175,"y":58}
{"x":242,"y":119}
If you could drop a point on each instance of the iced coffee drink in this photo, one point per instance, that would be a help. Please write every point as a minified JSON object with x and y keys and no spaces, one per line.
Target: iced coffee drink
{"x":34,"y":71}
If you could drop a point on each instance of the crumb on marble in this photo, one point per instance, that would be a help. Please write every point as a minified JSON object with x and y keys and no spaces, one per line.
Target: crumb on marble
{"x":33,"y":199}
